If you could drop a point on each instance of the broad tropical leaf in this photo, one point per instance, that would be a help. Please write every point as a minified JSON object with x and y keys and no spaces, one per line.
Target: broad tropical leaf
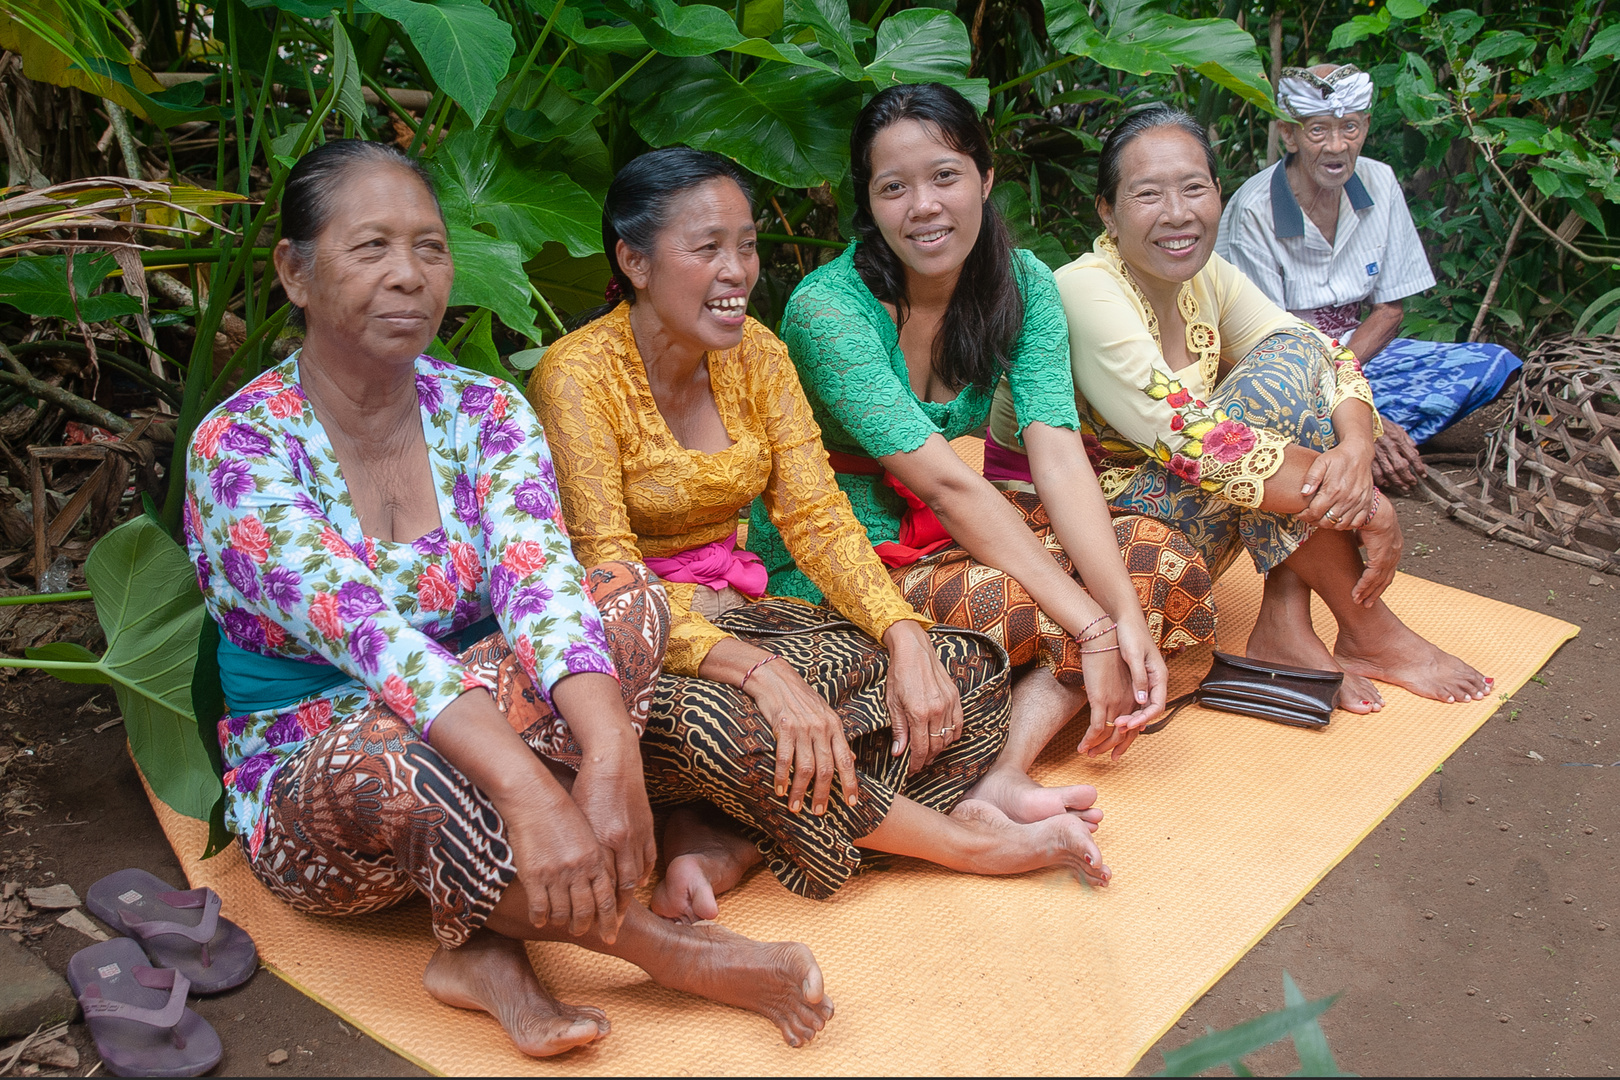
{"x":828,"y":21}
{"x":926,"y":45}
{"x":787,"y":124}
{"x":38,"y":285}
{"x":346,"y":73}
{"x":528,"y":208}
{"x":466,"y":46}
{"x":489,"y":273}
{"x":1141,"y":38}
{"x":698,"y":30}
{"x":478,"y":351}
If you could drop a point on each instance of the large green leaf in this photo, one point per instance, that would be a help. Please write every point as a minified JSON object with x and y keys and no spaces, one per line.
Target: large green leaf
{"x":147,"y":601}
{"x":616,"y":39}
{"x":1141,"y":38}
{"x":208,"y":704}
{"x":829,"y":23}
{"x":37,"y":284}
{"x":926,"y":45}
{"x":575,"y":283}
{"x":466,"y":46}
{"x":477,"y":176}
{"x":787,"y":124}
{"x":489,"y":273}
{"x":346,"y":73}
{"x":478,"y":351}
{"x":1229,"y":1046}
{"x":700,"y":29}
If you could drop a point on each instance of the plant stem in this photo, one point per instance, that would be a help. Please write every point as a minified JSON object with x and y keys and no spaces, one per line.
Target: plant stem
{"x":528,"y":62}
{"x":48,"y":665}
{"x":538,"y":90}
{"x":878,"y":14}
{"x":45,"y":598}
{"x":620,"y":81}
{"x":552,"y":315}
{"x":164,"y":258}
{"x":65,"y":399}
{"x":808,"y":241}
{"x":1496,"y":278}
{"x":1028,"y":75}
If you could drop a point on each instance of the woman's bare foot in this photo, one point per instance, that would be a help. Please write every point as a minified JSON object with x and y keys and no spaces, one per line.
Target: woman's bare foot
{"x":1397,"y":654}
{"x":1023,"y":800}
{"x":1279,"y":638}
{"x":706,"y":859}
{"x":492,"y":973}
{"x":1013,"y":848}
{"x":779,"y":980}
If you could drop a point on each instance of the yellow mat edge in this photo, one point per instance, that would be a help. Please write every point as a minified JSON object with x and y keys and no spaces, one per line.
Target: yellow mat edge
{"x":1571,"y":633}
{"x":387,"y":1044}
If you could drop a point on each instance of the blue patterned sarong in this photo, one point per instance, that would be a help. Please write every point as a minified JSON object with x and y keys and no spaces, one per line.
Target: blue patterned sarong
{"x":1425,"y":386}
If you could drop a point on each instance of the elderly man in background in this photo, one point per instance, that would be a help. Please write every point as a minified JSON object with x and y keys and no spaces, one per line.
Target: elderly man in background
{"x":1326,"y":234}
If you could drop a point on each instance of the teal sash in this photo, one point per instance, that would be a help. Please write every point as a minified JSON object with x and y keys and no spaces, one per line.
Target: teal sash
{"x":254,"y":682}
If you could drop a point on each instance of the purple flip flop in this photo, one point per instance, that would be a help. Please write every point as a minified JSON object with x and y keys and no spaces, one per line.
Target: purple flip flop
{"x":137,"y":1014}
{"x":179,"y":930}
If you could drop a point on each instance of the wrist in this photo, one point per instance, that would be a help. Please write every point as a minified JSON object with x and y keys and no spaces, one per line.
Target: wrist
{"x":905,"y":634}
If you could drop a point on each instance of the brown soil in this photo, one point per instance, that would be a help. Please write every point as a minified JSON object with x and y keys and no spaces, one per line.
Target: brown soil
{"x":1459,"y":946}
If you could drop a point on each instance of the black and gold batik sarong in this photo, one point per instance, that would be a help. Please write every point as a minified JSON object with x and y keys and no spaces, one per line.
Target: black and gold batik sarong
{"x":707,"y":741}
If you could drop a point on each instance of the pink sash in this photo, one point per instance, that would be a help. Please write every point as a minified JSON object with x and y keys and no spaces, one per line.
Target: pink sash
{"x":1001,"y":463}
{"x":716,"y":565}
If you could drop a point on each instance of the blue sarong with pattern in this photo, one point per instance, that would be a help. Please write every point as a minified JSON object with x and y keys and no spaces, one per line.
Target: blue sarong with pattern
{"x":1425,"y":386}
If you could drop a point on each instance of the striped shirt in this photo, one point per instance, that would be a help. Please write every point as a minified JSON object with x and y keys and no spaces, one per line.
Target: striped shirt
{"x":1375,"y":257}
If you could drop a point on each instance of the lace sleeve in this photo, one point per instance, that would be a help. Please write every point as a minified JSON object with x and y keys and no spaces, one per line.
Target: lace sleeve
{"x":817,"y":524}
{"x":1041,"y":384}
{"x":1353,"y":385}
{"x":840,"y":352}
{"x":571,"y":397}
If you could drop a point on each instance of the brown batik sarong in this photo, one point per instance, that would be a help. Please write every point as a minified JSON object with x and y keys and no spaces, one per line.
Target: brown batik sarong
{"x":1172,"y":583}
{"x":366,"y":813}
{"x":707,"y":741}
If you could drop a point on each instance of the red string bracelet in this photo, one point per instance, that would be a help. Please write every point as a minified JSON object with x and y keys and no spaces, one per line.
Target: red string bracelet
{"x":744,"y":684}
{"x":1105,"y":648}
{"x":1104,"y":632}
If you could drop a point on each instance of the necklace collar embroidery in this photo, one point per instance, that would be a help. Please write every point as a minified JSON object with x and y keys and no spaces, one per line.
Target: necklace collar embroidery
{"x":1203,"y":340}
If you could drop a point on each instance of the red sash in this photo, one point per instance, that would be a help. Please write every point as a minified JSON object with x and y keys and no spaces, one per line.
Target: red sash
{"x":921,"y":533}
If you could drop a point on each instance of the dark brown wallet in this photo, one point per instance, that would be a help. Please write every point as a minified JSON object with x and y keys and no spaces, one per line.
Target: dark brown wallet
{"x":1303,"y":697}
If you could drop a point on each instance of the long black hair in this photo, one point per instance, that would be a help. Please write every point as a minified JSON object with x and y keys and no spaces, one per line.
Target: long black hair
{"x":638,"y":203}
{"x":312,"y":187}
{"x":1139,"y":123}
{"x":986,"y":313}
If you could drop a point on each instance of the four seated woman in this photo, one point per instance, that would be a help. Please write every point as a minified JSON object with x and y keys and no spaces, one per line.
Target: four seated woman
{"x":428,"y":691}
{"x":421,"y":689}
{"x":900,"y":343}
{"x":668,"y":415}
{"x":1217,"y":412}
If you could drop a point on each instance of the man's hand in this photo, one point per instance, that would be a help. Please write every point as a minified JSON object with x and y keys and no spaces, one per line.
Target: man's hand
{"x":612,"y":794}
{"x":1396,"y":461}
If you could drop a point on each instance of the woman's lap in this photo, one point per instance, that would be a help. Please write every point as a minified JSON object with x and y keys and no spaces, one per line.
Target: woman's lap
{"x":708,"y":741}
{"x":367,"y":813}
{"x":1172,"y":585}
{"x":1285,"y":384}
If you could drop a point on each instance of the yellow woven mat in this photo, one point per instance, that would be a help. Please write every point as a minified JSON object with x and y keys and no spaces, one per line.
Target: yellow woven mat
{"x":1215,"y":828}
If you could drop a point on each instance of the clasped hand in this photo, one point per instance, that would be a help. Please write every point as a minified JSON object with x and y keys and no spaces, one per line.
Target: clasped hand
{"x":1340,"y":488}
{"x":1126,"y":689}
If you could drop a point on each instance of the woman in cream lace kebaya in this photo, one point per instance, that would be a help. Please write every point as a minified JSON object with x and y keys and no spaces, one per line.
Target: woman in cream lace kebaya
{"x":1210,"y":408}
{"x":668,"y":415}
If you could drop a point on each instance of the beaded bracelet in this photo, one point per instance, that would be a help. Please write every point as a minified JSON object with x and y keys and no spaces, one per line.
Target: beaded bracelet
{"x":1374,"y":511}
{"x":744,"y":684}
{"x":1105,"y":648}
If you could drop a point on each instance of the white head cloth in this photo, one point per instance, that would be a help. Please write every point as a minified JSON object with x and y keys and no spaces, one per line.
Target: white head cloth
{"x":1345,"y":89}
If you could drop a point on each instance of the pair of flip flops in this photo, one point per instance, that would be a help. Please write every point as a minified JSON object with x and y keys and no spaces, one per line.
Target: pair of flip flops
{"x":133,"y":989}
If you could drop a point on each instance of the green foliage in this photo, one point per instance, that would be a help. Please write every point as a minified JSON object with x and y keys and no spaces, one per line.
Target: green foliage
{"x":464,"y":44}
{"x":1296,"y":1020}
{"x":38,"y":285}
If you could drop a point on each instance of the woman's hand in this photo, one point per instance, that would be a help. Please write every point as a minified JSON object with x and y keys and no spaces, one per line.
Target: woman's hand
{"x":925,"y":706}
{"x":1384,"y":540}
{"x":1126,"y":689}
{"x":810,"y":744}
{"x":563,"y":867}
{"x":611,"y":792}
{"x":1339,"y":486}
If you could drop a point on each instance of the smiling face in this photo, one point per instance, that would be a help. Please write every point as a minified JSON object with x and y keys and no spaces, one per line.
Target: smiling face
{"x":1167,"y":209}
{"x":380,"y":277}
{"x":694,"y":285}
{"x":1327,"y":147}
{"x":927,"y":199}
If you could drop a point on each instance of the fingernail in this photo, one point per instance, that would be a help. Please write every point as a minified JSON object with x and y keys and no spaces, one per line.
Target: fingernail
{"x":895,"y":749}
{"x":1141,"y":697}
{"x":781,"y":789}
{"x":853,"y":800}
{"x":795,"y":806}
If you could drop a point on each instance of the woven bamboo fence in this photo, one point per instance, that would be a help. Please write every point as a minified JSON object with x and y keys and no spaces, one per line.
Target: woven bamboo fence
{"x":1549,"y":477}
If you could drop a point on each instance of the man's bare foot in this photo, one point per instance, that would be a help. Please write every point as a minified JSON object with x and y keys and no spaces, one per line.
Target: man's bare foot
{"x":1025,"y":801}
{"x":1398,"y":655}
{"x":1281,"y":640}
{"x":1013,"y":848}
{"x":492,"y":973}
{"x":779,"y":980}
{"x":705,"y":860}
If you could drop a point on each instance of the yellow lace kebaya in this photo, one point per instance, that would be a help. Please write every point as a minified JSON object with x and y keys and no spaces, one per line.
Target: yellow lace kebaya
{"x":1133,"y":407}
{"x":630,"y":489}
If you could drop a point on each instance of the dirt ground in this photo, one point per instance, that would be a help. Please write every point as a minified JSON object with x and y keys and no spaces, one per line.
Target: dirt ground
{"x":1474,"y":932}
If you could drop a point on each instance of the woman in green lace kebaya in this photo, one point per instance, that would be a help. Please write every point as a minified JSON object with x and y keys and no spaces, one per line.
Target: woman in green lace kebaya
{"x":900,"y":344}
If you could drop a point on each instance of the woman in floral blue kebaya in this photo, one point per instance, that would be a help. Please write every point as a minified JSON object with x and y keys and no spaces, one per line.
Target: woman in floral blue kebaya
{"x":425,"y":691}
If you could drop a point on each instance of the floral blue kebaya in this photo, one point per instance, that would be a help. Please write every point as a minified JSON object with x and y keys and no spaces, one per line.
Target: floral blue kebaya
{"x":286,"y":570}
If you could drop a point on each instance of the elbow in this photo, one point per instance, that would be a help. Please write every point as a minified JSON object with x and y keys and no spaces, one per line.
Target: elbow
{"x":954,"y":493}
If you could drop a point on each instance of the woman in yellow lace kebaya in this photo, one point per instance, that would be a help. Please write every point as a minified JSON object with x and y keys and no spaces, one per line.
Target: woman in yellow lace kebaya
{"x":667,"y":416}
{"x":1213,"y":410}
